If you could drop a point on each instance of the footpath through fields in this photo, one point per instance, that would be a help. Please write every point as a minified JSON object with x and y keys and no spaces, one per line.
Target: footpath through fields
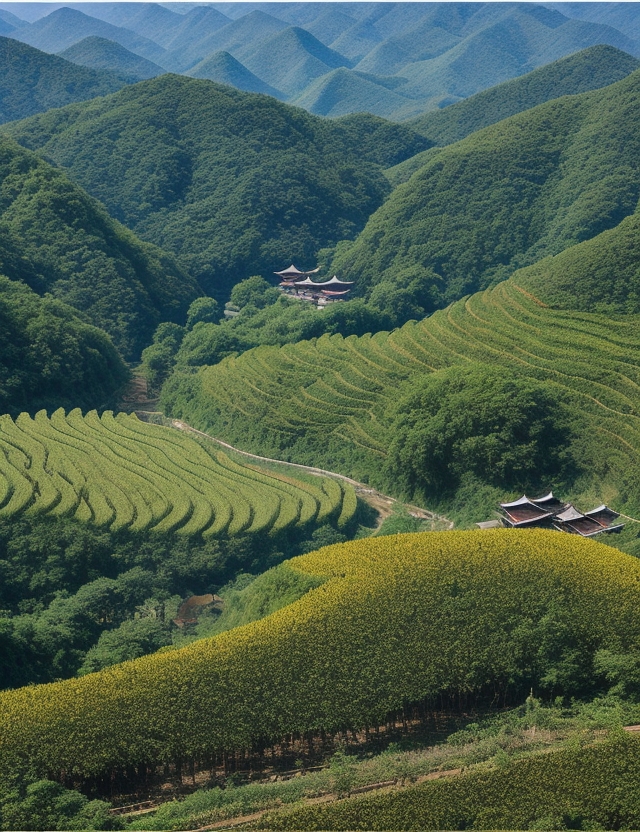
{"x":382,"y":503}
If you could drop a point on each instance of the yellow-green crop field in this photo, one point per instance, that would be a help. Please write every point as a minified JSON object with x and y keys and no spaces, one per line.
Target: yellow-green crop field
{"x":398,"y":619}
{"x":120,"y":473}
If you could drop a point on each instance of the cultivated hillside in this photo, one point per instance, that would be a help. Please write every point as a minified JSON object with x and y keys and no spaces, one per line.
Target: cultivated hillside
{"x":534,"y":397}
{"x":228,"y":182}
{"x":332,"y":661}
{"x":32,"y":81}
{"x":59,"y":240}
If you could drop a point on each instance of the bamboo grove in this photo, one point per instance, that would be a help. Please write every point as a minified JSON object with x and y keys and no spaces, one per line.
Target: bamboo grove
{"x":120,"y":473}
{"x":397,"y":620}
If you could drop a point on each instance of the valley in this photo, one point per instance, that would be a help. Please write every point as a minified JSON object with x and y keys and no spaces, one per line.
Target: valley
{"x":244,"y":574}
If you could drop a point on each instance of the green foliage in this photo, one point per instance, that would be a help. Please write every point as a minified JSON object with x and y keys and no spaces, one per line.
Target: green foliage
{"x":589,"y":69}
{"x":32,"y":81}
{"x":254,"y":291}
{"x":49,"y":355}
{"x":43,"y":804}
{"x":591,"y":788}
{"x":203,"y":310}
{"x":460,"y":601}
{"x":59,"y":240}
{"x":120,"y":473}
{"x":600,"y":275}
{"x":332,"y":401}
{"x":229,"y":181}
{"x":506,"y":196}
{"x":473,"y":420}
{"x":103,"y":54}
{"x":132,"y":639}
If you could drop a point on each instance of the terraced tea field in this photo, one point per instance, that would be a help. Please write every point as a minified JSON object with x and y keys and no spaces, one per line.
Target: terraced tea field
{"x":336,"y":389}
{"x":119,"y":473}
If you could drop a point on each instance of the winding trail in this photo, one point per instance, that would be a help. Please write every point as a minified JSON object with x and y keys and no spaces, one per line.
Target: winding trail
{"x":382,"y":503}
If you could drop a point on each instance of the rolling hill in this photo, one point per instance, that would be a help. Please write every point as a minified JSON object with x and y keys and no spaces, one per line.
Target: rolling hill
{"x":331,"y":661}
{"x":59,"y":240}
{"x":231,"y":183}
{"x":505,"y":196}
{"x":99,"y":53}
{"x":32,"y":81}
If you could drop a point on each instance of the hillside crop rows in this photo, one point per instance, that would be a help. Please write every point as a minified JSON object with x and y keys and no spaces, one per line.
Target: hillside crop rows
{"x":118,"y":472}
{"x":310,"y":395}
{"x":467,"y":607}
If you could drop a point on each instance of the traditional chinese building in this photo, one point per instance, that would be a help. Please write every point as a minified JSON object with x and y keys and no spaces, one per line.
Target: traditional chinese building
{"x":550,"y":512}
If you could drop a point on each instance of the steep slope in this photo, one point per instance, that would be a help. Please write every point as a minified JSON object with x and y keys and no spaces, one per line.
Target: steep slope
{"x":223,"y":68}
{"x":291,"y":59}
{"x":586,"y":70}
{"x":64,"y":27}
{"x":151,"y":20}
{"x":49,"y":355}
{"x":474,"y":615}
{"x":507,"y":195}
{"x":194,"y":26}
{"x":32,"y":81}
{"x":231,"y":182}
{"x":99,"y":53}
{"x":59,"y":240}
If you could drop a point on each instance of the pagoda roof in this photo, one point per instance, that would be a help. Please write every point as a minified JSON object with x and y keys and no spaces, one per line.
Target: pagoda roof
{"x":569,"y":514}
{"x":332,"y":294}
{"x":293,"y":271}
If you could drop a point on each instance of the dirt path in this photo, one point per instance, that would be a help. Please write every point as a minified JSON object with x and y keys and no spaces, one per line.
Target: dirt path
{"x":382,"y":503}
{"x":378,"y":788}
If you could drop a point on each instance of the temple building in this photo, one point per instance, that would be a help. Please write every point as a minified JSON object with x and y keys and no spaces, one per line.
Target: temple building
{"x":319,"y":293}
{"x":550,"y":512}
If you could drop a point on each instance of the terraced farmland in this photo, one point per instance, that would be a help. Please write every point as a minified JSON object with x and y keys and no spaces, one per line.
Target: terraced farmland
{"x":119,"y":473}
{"x":332,"y":399}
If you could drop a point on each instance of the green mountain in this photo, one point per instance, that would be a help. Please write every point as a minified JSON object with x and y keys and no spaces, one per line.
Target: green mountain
{"x":588,"y":69}
{"x":506,"y":196}
{"x":223,"y":68}
{"x":99,"y":53}
{"x":233,"y":183}
{"x":64,"y":27}
{"x":50,"y":356}
{"x":344,"y":91}
{"x":291,"y":60}
{"x":59,"y":240}
{"x":239,"y":37}
{"x":194,"y":26}
{"x":32,"y":81}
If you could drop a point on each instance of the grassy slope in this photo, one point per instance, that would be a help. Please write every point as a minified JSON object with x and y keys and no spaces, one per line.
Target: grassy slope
{"x":58,"y":239}
{"x":324,"y":661}
{"x":507,"y":195}
{"x":32,"y":81}
{"x":224,"y":179}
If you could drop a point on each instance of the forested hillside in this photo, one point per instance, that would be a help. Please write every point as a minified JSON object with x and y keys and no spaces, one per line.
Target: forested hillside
{"x":229,"y":182}
{"x":50,"y":356}
{"x":506,"y":196}
{"x":32,"y":81}
{"x":589,"y":69}
{"x":100,"y":53}
{"x":58,"y":239}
